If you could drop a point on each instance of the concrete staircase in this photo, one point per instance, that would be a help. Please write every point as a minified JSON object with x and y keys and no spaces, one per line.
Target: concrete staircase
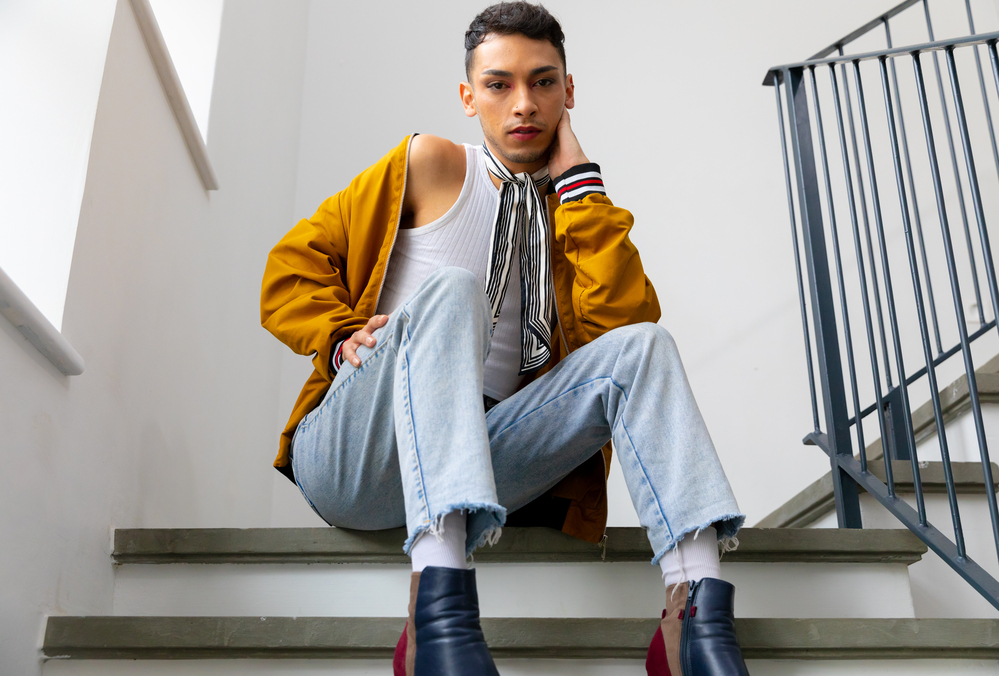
{"x":551,"y":604}
{"x":937,"y":591}
{"x":811,"y":598}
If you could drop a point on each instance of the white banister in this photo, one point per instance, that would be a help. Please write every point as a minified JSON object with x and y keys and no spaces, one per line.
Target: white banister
{"x":174,"y":92}
{"x":29,"y":320}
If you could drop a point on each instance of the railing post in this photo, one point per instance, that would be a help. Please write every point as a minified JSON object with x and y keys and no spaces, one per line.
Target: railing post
{"x":897,"y":446}
{"x":823,"y":308}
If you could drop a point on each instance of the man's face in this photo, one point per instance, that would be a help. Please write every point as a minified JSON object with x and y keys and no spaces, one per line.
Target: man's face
{"x":518,"y":89}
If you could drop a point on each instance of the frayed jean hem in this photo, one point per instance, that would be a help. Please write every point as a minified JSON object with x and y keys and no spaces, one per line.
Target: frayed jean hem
{"x":727,"y":527}
{"x":484,"y":525}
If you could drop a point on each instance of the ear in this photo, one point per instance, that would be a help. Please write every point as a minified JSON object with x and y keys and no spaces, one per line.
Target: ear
{"x":570,"y":92}
{"x":467,"y":98}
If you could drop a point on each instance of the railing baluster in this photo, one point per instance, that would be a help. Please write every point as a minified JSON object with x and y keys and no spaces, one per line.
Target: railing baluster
{"x":984,"y":233}
{"x":915,"y":201}
{"x":839,"y":267}
{"x":976,"y":405}
{"x":954,"y":165}
{"x":858,"y":247}
{"x":797,"y":259}
{"x":945,"y":227}
{"x":836,"y":440}
{"x":988,"y":113}
{"x":876,"y":202}
{"x":917,"y":288}
{"x":867,"y":226}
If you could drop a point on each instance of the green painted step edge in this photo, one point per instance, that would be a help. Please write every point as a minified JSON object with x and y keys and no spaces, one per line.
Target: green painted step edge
{"x":542,"y":545}
{"x":556,"y":638}
{"x":816,"y":500}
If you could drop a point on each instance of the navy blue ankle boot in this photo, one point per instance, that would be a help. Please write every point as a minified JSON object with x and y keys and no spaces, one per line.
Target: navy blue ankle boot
{"x":449,"y":640}
{"x":697,"y":634}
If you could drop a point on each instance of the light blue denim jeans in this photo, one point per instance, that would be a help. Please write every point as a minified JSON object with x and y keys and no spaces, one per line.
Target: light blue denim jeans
{"x":404,"y":439}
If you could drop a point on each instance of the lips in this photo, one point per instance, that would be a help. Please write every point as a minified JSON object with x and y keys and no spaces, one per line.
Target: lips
{"x":525,"y":133}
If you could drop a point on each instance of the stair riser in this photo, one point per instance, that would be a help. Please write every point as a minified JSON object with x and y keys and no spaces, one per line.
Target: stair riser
{"x":937,"y":590}
{"x":962,"y":439}
{"x":505,"y":590}
{"x":506,"y":667}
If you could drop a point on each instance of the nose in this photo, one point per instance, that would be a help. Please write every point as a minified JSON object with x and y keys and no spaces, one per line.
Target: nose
{"x":524,"y":105}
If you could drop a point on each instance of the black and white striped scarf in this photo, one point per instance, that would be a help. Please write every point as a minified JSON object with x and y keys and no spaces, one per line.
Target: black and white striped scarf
{"x":522,"y":216}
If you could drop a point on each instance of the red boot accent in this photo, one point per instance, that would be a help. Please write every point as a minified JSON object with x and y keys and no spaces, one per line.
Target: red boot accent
{"x":399,"y":658}
{"x":655,"y":661}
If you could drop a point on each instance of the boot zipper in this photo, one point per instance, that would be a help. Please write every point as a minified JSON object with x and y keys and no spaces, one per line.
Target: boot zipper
{"x":685,"y":665}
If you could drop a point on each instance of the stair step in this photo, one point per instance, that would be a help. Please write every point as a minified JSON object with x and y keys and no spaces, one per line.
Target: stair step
{"x":102,"y":637}
{"x":518,"y":545}
{"x":816,"y":500}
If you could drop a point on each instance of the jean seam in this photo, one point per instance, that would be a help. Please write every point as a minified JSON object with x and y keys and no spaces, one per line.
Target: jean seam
{"x":645,"y":474}
{"x":553,"y":400}
{"x":311,"y":416}
{"x":412,"y":422}
{"x":306,"y":496}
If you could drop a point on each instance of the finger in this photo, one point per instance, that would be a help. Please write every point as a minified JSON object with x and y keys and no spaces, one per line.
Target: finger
{"x":374,"y":323}
{"x":348,"y":352}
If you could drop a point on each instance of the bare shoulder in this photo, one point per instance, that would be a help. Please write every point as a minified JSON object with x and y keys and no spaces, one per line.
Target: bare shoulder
{"x":436,"y":158}
{"x":436,"y":174}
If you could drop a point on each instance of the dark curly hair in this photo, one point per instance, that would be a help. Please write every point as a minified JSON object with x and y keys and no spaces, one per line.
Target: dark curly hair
{"x":511,"y":18}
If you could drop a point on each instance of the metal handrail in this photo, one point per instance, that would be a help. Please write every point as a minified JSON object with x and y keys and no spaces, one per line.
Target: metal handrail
{"x":863,"y":30}
{"x":939,"y":45}
{"x":873,"y":268}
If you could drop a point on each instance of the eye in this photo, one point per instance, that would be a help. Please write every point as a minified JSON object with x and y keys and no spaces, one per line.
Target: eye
{"x":496,"y":85}
{"x":545,"y":82}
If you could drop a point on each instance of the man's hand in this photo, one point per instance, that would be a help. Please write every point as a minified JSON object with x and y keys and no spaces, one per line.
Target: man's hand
{"x":565,"y":152}
{"x":362,"y":337}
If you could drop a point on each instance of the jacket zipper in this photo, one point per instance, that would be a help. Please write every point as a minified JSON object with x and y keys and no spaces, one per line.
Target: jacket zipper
{"x":685,"y":665}
{"x":398,"y":222}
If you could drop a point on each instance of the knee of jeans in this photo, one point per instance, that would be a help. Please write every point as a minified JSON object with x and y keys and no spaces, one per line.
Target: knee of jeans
{"x":651,"y":335}
{"x":458,"y":285}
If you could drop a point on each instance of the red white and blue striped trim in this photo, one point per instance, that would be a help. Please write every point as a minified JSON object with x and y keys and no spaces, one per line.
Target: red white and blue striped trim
{"x":336,"y":361}
{"x":580,"y":181}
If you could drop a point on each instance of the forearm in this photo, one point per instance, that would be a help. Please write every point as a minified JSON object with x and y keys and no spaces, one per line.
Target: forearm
{"x":610,"y":288}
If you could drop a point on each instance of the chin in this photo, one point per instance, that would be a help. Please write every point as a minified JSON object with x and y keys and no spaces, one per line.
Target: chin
{"x":524,"y":156}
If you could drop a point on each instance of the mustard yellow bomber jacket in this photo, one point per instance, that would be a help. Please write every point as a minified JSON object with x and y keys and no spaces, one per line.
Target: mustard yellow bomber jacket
{"x":324,"y":277}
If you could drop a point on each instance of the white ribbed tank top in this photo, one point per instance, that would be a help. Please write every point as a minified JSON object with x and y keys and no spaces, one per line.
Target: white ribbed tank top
{"x":460,"y":238}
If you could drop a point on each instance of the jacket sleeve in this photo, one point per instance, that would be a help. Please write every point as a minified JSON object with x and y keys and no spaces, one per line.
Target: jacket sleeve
{"x":303,"y":300}
{"x":610,"y":288}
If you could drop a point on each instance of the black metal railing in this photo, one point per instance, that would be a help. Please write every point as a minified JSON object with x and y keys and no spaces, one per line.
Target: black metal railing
{"x":894,"y":323}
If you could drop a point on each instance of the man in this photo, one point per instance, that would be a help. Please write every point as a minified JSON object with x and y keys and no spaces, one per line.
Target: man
{"x":482,"y":327}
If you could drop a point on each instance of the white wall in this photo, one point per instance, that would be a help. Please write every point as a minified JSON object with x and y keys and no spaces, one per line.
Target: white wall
{"x":172,"y":423}
{"x":52,"y":53}
{"x":669,"y":102}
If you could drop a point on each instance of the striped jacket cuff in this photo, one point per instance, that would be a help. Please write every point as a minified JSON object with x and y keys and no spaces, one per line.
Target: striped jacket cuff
{"x":336,"y":360}
{"x":578,"y":182}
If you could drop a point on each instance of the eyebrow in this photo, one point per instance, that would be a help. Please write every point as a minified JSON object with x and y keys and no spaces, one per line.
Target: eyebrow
{"x":506,"y":73}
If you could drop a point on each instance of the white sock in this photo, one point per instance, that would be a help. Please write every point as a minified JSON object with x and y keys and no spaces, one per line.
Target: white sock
{"x":692,"y":559}
{"x":446,"y":550}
